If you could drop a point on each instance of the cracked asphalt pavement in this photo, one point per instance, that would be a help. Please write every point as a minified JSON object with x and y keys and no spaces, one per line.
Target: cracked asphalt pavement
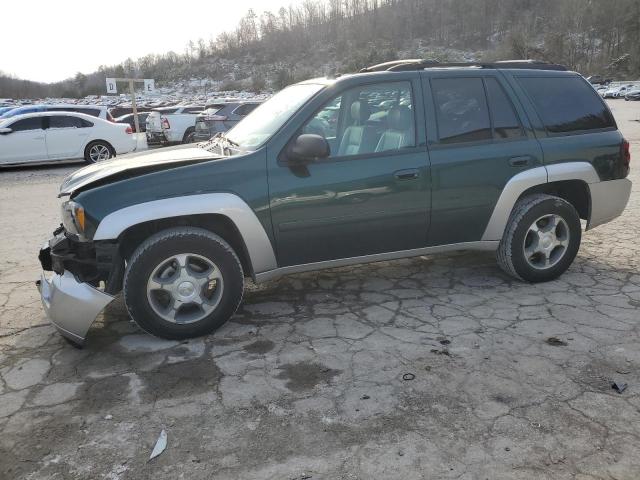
{"x":439,"y":367}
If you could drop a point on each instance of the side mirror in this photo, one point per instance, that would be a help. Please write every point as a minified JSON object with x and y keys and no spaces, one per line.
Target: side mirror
{"x":307,"y":148}
{"x":4,"y":131}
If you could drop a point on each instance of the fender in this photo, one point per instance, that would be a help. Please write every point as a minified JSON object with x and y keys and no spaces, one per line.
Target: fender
{"x":258,"y":245}
{"x":521,"y":182}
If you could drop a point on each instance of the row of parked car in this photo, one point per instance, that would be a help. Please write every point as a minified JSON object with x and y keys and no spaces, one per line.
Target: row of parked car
{"x":43,"y":133}
{"x":628,"y":92}
{"x":190,"y":123}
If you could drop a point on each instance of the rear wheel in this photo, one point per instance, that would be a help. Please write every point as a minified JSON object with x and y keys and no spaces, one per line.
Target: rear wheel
{"x":183,"y":283}
{"x":98,"y":151}
{"x":189,"y":136}
{"x":541,"y":240}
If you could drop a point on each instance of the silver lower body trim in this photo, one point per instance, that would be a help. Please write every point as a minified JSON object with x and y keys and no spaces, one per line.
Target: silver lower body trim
{"x":378,"y":257}
{"x":608,"y":200}
{"x":71,"y":306}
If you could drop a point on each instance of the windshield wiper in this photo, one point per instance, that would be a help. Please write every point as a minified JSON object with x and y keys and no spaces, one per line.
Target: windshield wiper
{"x":229,"y":141}
{"x":221,"y":140}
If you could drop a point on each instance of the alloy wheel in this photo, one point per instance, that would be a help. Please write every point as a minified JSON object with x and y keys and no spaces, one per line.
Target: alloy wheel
{"x":185,"y":288}
{"x":546,"y":241}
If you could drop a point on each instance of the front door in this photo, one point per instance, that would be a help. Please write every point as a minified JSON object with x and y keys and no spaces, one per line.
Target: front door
{"x":25,"y":142}
{"x":371,"y":195}
{"x":479,"y":138}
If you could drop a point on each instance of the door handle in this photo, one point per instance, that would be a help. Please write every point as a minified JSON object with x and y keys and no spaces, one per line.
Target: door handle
{"x":521,"y":161}
{"x":409,"y":174}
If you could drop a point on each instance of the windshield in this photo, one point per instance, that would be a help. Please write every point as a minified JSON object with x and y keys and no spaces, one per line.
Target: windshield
{"x":264,"y":121}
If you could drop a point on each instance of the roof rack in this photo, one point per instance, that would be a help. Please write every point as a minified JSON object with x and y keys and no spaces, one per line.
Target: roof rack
{"x":421,"y":64}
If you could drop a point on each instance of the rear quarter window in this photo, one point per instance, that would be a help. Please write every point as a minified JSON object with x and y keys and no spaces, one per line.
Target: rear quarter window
{"x":567,"y":104}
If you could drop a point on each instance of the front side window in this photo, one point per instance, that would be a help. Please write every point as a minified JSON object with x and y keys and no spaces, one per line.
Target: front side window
{"x":34,"y":123}
{"x":367,"y":119}
{"x":257,"y":127}
{"x":567,"y":104}
{"x":461,"y":110}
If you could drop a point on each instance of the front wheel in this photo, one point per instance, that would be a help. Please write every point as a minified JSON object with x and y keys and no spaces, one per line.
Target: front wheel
{"x":183,"y":283}
{"x":541,"y":239}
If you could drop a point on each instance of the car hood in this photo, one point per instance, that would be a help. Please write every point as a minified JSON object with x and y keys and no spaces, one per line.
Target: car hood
{"x":134,"y":164}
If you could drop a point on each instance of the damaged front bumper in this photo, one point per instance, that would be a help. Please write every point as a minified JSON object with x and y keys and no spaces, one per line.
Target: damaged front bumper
{"x":71,"y":306}
{"x":69,"y":296}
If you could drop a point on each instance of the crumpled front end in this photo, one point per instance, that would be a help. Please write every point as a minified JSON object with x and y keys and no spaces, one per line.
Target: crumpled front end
{"x":71,"y":306}
{"x":70,"y":295}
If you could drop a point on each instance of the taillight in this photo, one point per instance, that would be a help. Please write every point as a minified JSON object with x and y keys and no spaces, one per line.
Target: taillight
{"x":626,"y":153}
{"x":165,"y":123}
{"x":128,"y":130}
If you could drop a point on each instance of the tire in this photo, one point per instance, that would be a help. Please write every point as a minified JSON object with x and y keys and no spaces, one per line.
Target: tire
{"x":98,"y":151}
{"x":188,"y":136}
{"x":163,"y":297}
{"x":532,"y":248}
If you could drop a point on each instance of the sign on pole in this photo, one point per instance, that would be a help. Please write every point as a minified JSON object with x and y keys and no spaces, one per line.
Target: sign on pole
{"x":111,"y":85}
{"x":149,"y":85}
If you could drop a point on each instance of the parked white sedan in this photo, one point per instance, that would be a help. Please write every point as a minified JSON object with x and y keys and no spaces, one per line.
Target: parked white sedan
{"x":50,"y":136}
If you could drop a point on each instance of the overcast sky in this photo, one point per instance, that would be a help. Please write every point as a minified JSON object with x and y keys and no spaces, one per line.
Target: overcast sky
{"x":50,"y":40}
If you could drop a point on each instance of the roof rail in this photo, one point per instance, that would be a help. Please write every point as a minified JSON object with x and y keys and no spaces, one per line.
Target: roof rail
{"x":420,"y":64}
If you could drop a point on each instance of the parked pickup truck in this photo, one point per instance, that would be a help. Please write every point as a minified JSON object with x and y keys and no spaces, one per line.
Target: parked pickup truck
{"x":400,"y":160}
{"x":172,"y":124}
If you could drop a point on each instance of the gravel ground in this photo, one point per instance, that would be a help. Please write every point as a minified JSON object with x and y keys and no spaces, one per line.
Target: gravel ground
{"x":435,"y":367}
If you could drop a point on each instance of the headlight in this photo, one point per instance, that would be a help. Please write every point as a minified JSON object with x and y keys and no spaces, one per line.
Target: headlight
{"x":73,"y":218}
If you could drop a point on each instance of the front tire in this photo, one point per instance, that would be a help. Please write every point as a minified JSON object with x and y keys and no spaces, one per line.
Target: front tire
{"x":183,"y":283}
{"x":541,"y":239}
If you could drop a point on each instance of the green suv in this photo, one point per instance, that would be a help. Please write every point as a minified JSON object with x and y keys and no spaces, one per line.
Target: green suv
{"x":403,"y":159}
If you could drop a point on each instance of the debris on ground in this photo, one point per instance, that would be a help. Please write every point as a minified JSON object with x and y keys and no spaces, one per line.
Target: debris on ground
{"x":623,"y":371}
{"x":619,"y":386}
{"x":161,"y":444}
{"x":365,"y":397}
{"x":444,"y":341}
{"x":408,"y":376}
{"x":443,"y":351}
{"x":556,"y":342}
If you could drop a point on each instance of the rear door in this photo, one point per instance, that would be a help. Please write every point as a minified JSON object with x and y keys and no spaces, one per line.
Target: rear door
{"x":479,"y":138}
{"x":66,"y":135}
{"x":25,"y":143}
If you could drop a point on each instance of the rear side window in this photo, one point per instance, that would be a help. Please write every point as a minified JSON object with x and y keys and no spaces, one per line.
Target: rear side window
{"x":60,"y":121}
{"x":245,"y":109}
{"x":461,"y":110}
{"x":34,"y":123}
{"x":567,"y":104}
{"x":503,"y":115}
{"x":193,"y":110}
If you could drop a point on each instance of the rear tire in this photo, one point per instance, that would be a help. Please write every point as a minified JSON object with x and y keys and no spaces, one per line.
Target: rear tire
{"x":182,"y":283}
{"x":98,"y":151}
{"x":189,"y":135}
{"x":541,"y":239}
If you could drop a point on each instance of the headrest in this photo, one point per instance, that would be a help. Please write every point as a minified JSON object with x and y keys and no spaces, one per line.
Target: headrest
{"x":399,"y":118}
{"x":360,"y":111}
